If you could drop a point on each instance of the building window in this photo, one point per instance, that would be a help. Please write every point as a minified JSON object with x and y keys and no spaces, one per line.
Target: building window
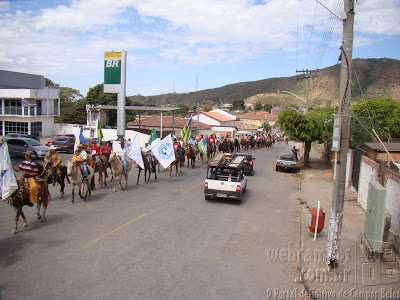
{"x":15,"y":127}
{"x":1,"y":127}
{"x":36,"y":128}
{"x":39,"y":107}
{"x":1,"y":106}
{"x":13,"y":107}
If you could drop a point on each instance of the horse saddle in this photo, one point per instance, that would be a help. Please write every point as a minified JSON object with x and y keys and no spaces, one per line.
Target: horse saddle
{"x":81,"y":168}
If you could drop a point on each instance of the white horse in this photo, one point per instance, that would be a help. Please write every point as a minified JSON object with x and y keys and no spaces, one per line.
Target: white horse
{"x":76,"y":178}
{"x":117,"y":169}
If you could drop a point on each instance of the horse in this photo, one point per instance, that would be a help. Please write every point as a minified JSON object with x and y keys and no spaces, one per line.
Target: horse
{"x":76,"y":177}
{"x":61,"y":175}
{"x":179,"y":161}
{"x":117,"y":169}
{"x":20,"y":197}
{"x":190,"y":155}
{"x":148,"y":167}
{"x":211,"y":149}
{"x":104,"y":164}
{"x":236,"y":145}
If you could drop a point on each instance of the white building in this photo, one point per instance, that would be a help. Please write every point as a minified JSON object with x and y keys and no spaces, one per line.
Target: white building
{"x":29,"y":111}
{"x":222,"y":122}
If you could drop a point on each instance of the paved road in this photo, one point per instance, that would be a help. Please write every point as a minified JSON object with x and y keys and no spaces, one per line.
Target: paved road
{"x":159,"y":240}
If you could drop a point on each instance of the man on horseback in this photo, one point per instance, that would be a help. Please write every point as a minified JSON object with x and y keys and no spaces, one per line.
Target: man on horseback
{"x":177,"y":147}
{"x":80,"y":158}
{"x":53,"y":159}
{"x":146,"y":150}
{"x":193,"y":143}
{"x":29,"y":170}
{"x":122,"y":155}
{"x":95,"y":152}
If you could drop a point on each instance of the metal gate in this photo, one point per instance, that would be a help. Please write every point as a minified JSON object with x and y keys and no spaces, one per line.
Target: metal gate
{"x":356,"y":166}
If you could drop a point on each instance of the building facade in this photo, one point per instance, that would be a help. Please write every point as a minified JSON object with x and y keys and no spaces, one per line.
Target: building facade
{"x":29,"y":111}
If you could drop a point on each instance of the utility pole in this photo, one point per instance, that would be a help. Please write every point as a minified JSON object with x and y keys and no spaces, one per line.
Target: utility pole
{"x":335,"y":223}
{"x":308,"y":77}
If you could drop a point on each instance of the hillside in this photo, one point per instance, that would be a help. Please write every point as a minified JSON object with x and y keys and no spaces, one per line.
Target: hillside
{"x":378,"y":78}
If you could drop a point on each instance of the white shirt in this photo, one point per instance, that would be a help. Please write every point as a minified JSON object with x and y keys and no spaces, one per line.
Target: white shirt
{"x":83,"y":155}
{"x":122,"y":153}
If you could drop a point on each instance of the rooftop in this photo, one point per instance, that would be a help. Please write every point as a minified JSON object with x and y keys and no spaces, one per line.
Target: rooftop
{"x":155,"y":121}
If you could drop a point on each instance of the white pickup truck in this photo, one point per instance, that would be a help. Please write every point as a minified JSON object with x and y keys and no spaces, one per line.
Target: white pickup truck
{"x":225,"y":178}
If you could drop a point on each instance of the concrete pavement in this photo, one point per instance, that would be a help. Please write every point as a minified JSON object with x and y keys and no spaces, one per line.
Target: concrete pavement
{"x":355,"y":277}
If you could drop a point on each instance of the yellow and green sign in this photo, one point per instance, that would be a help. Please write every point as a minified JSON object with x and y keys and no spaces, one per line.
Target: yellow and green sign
{"x":112,"y":67}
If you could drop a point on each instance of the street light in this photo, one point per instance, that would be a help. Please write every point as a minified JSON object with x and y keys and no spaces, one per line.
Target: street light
{"x":305,"y":101}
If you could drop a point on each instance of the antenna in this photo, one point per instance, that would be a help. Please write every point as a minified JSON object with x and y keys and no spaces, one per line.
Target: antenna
{"x":197,"y":81}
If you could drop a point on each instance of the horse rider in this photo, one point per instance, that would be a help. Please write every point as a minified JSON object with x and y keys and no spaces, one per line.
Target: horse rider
{"x":177,"y":148}
{"x":80,"y":158}
{"x":193,"y":143}
{"x":54,"y":160}
{"x":95,"y":152}
{"x":122,"y":155}
{"x":146,"y":150}
{"x":29,"y":170}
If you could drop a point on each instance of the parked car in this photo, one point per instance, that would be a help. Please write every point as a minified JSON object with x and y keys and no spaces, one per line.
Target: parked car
{"x":17,"y":147}
{"x":50,"y":141}
{"x":18,"y":135}
{"x":248,"y":162}
{"x":225,"y":178}
{"x":286,"y":161}
{"x":64,"y":143}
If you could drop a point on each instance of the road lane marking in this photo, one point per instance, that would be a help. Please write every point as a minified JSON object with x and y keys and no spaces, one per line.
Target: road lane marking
{"x":192,"y":188}
{"x":103,"y":236}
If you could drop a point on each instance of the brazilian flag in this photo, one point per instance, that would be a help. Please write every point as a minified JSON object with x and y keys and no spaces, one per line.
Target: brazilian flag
{"x":185,"y":133}
{"x":99,"y":133}
{"x":153,"y":136}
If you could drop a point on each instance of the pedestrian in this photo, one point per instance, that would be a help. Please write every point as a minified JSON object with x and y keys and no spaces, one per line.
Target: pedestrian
{"x":294,"y":151}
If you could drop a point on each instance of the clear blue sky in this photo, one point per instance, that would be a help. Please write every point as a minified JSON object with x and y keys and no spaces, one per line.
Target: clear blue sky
{"x":171,"y":43}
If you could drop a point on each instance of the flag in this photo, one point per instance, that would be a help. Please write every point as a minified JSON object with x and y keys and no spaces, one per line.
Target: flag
{"x":99,"y":133}
{"x":153,"y":136}
{"x":8,"y":183}
{"x":133,"y":151}
{"x":164,"y":151}
{"x":79,"y":138}
{"x":185,"y":133}
{"x":203,"y":146}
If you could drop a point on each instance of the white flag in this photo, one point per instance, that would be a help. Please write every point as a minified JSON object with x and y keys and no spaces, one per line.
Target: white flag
{"x":164,"y":151}
{"x":8,"y":183}
{"x":133,"y":151}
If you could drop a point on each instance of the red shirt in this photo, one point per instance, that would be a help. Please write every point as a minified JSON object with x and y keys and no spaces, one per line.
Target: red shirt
{"x":211,"y":139}
{"x":106,"y":149}
{"x":94,"y":150}
{"x":176,"y":145}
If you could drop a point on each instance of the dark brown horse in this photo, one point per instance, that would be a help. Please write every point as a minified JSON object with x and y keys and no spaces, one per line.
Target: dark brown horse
{"x":20,"y":197}
{"x":179,"y":161}
{"x":211,"y":149}
{"x":190,"y":155}
{"x":60,"y":178}
{"x":151,"y":167}
{"x":236,"y":145}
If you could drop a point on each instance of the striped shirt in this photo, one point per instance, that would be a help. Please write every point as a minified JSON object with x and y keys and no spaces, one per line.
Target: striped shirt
{"x":29,"y":167}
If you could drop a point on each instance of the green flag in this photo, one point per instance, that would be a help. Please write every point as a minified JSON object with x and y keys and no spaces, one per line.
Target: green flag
{"x":99,"y":133}
{"x":153,"y":136}
{"x":203,"y":146}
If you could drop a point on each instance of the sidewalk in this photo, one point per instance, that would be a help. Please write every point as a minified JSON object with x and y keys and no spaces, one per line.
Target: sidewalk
{"x":355,"y":277}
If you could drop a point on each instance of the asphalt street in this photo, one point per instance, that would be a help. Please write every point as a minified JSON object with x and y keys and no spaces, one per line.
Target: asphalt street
{"x":156,"y":240}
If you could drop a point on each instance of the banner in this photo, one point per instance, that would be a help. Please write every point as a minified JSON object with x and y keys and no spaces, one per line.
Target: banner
{"x":153,"y":136}
{"x":8,"y":183}
{"x":133,"y":151}
{"x":203,"y":147}
{"x":79,"y":138}
{"x":185,"y":133}
{"x":99,"y":133}
{"x":164,"y":151}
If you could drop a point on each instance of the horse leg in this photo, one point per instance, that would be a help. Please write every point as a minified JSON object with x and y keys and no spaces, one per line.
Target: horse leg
{"x":170,"y":171}
{"x":126,"y":181}
{"x":19,"y":210}
{"x":39,"y":204}
{"x":105,"y":176}
{"x":44,"y":210}
{"x":73,"y":193}
{"x":120,"y":181}
{"x":115,"y":182}
{"x":138,"y":176}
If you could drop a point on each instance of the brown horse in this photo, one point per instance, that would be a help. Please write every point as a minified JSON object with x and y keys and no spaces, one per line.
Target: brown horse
{"x":179,"y":161}
{"x":236,"y":145}
{"x":211,"y":149}
{"x":61,"y":175}
{"x":148,"y":167}
{"x":104,"y":164}
{"x":20,"y":197}
{"x":190,"y":155}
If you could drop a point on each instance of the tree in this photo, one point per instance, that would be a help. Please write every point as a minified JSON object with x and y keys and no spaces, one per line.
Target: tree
{"x":206,"y":107}
{"x":258,"y":106}
{"x":266,"y":126}
{"x":301,"y":128}
{"x":238,"y":104}
{"x":267,"y":107}
{"x":72,"y":106}
{"x":379,"y":114}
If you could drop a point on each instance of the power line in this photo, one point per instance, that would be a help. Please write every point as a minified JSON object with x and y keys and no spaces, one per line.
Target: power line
{"x":311,"y":34}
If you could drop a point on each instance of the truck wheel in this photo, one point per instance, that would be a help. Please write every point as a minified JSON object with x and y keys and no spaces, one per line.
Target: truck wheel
{"x":70,"y":150}
{"x":277,"y":169}
{"x":207,"y":197}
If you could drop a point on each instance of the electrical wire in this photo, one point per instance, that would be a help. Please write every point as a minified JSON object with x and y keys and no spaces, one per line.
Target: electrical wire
{"x":311,"y":34}
{"x":297,"y":35}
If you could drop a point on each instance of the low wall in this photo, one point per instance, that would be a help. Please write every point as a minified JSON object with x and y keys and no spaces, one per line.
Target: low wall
{"x":369,"y":171}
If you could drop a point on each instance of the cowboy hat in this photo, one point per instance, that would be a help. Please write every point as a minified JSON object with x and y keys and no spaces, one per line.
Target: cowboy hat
{"x":79,"y":146}
{"x":52,"y":147}
{"x":94,"y":142}
{"x":29,"y":153}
